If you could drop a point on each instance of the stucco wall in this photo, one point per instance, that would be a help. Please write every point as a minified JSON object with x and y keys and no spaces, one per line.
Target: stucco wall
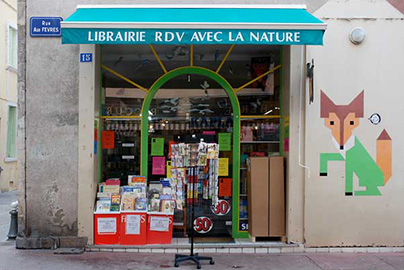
{"x":342,"y":71}
{"x":48,"y":120}
{"x":8,"y":93}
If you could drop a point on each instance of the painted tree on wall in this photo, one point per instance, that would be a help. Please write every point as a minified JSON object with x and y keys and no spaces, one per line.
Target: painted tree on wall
{"x":342,"y":120}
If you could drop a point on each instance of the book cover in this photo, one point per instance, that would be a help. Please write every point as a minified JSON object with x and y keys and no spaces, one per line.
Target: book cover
{"x":116,"y":199}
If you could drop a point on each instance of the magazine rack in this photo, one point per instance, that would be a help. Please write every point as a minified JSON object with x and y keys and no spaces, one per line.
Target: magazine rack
{"x":179,"y":258}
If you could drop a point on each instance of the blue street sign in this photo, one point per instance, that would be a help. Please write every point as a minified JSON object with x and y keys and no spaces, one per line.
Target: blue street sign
{"x":45,"y":27}
{"x":86,"y":57}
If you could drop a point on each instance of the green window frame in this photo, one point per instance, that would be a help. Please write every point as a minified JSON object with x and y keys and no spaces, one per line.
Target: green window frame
{"x":11,"y":149}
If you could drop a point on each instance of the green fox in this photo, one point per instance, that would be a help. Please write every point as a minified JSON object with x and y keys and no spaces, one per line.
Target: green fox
{"x":342,"y":119}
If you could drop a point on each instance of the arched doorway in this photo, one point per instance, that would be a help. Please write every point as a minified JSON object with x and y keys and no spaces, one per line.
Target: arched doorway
{"x":190,"y":70}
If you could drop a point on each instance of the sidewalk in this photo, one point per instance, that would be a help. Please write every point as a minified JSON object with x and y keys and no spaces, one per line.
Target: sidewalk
{"x":12,"y":258}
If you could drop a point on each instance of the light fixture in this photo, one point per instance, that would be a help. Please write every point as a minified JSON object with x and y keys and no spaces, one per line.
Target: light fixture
{"x":268,"y":112}
{"x":357,"y":35}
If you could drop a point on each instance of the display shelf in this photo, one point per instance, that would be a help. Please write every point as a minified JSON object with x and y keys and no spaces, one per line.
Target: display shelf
{"x":259,"y":141}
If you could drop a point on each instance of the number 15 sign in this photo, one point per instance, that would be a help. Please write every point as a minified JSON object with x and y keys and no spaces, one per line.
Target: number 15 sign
{"x":86,"y":57}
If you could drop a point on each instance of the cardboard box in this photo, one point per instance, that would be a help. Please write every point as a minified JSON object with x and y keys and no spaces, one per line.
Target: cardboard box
{"x":266,"y":196}
{"x":258,"y":203}
{"x":276,"y":197}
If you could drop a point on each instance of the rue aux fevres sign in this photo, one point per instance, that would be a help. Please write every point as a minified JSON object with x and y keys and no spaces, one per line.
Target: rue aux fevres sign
{"x":45,"y":26}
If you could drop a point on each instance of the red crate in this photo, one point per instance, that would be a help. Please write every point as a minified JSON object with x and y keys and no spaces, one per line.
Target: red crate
{"x":159,"y":228}
{"x":107,"y":228}
{"x":133,"y":232}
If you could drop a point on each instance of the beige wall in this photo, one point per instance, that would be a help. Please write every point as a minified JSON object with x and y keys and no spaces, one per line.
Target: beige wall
{"x":342,"y":71}
{"x":8,"y":93}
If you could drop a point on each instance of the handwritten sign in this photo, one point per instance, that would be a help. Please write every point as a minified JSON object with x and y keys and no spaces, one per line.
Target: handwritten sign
{"x":108,"y":139}
{"x":224,"y":141}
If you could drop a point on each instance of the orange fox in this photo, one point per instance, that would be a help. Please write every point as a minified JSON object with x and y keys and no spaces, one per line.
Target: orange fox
{"x":341,"y":120}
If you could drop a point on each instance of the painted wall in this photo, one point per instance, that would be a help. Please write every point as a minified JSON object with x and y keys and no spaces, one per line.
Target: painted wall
{"x":8,"y":93}
{"x":333,"y":216}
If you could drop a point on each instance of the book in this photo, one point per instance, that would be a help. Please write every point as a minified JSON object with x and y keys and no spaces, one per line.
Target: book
{"x":114,"y":207}
{"x":155,"y":205}
{"x":110,"y":188}
{"x":128,"y":202}
{"x":113,"y":181}
{"x":136,"y":179}
{"x":141,"y":204}
{"x":116,"y":199}
{"x":167,"y":206}
{"x":103,"y":206}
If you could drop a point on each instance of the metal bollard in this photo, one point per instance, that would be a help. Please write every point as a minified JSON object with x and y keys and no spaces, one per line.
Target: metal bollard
{"x":12,"y":233}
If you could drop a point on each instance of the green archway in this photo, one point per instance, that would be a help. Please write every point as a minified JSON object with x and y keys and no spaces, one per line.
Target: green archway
{"x":236,"y":126}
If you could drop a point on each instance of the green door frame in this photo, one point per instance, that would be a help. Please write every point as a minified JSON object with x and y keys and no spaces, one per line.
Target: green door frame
{"x":236,"y":129}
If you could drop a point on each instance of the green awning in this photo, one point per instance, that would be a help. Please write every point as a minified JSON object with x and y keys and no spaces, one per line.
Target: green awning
{"x":193,"y":24}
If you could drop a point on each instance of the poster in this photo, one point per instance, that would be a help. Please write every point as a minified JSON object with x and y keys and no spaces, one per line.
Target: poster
{"x":224,"y":141}
{"x":157,"y":146}
{"x":225,"y":187}
{"x":160,"y":224}
{"x":132,"y":224}
{"x":223,"y":166}
{"x":170,"y":148}
{"x":168,"y":169}
{"x":158,"y":165}
{"x":106,"y":225}
{"x":108,"y":139}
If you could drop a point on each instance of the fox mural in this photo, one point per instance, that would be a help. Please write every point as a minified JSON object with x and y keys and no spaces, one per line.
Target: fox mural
{"x":342,"y":120}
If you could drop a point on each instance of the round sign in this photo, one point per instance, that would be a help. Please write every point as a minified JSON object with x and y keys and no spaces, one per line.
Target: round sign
{"x":203,"y":224}
{"x":221,"y":208}
{"x":375,"y":118}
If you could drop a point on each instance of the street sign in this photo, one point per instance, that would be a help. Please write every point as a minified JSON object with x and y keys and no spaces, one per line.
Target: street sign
{"x":45,"y":26}
{"x":86,"y":57}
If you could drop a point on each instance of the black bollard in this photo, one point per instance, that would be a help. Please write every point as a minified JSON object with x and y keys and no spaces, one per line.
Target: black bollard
{"x":12,"y":233}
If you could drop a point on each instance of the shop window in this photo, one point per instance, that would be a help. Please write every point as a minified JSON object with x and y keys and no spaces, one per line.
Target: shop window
{"x":12,"y":41}
{"x":11,"y":151}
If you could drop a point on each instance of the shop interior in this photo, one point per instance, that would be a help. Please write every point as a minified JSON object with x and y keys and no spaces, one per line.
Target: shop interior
{"x":191,"y":129}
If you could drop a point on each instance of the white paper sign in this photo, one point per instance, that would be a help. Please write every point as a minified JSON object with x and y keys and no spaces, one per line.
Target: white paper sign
{"x":133,"y":224}
{"x":160,"y":224}
{"x":106,"y":225}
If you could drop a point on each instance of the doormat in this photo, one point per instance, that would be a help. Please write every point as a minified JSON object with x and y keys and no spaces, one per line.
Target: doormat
{"x":213,"y":240}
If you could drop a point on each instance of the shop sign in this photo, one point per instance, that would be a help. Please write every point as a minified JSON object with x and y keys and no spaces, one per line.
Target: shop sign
{"x":45,"y":26}
{"x":203,"y":224}
{"x":189,"y":36}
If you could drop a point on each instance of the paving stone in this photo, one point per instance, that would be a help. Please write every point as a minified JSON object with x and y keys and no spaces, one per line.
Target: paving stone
{"x":398,"y":249}
{"x":144,"y":250}
{"x":287,"y":250}
{"x":222,"y":250}
{"x":274,"y":250}
{"x":248,"y":250}
{"x":335,"y":250}
{"x":157,"y":250}
{"x":235,"y":250}
{"x":322,"y":250}
{"x":372,"y":250}
{"x":106,"y":249}
{"x":360,"y":250}
{"x":386,"y":249}
{"x":348,"y":250}
{"x":171,"y":250}
{"x":261,"y":250}
{"x":132,"y":250}
{"x":119,"y":250}
{"x":310,"y":250}
{"x":209,"y":250}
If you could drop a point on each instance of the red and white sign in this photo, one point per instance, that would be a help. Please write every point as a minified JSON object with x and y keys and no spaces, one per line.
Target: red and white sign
{"x":203,"y":224}
{"x":221,"y":208}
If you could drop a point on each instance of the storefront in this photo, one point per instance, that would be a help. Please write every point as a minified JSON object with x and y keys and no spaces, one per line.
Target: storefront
{"x":176,"y":97}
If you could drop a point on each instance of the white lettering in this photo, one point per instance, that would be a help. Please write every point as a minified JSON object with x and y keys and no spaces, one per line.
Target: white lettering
{"x":119,"y":36}
{"x":109,"y":36}
{"x":180,"y":36}
{"x":101,"y":36}
{"x":158,"y":37}
{"x":278,"y":39}
{"x":131,"y":37}
{"x":264,"y":36}
{"x":142,"y":36}
{"x":255,"y":37}
{"x":169,"y":36}
{"x":297,"y":36}
{"x":289,"y":37}
{"x":217,"y":38}
{"x":271,"y":36}
{"x":194,"y":37}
